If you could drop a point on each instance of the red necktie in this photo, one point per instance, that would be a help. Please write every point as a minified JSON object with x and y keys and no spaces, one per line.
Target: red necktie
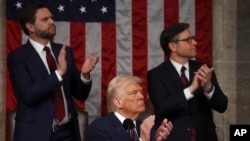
{"x":183,"y":76}
{"x":193,"y":134}
{"x":185,"y":82}
{"x":59,"y":104}
{"x":133,"y":134}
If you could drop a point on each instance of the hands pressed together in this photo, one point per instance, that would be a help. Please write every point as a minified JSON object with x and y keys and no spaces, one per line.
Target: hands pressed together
{"x":202,"y":78}
{"x":88,"y":65}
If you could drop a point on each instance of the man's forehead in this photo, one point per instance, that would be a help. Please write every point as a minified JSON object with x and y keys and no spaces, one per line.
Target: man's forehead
{"x":134,"y":85}
{"x":43,"y":12}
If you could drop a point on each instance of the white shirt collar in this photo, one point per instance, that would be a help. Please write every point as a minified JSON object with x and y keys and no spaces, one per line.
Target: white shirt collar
{"x":178,"y":66}
{"x":38,"y":47}
{"x":121,"y":118}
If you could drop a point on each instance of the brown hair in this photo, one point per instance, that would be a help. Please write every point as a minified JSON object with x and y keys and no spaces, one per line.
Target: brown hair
{"x":28,"y":15}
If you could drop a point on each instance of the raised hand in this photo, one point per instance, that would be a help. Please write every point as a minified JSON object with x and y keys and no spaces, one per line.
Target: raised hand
{"x":146,"y":126}
{"x":204,"y":75}
{"x":202,"y":78}
{"x":195,"y":83}
{"x":164,"y":130}
{"x":62,"y":63}
{"x":89,"y":65}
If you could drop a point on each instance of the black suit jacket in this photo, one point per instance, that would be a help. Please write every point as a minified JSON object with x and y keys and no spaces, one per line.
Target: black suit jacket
{"x":166,"y":93}
{"x":34,"y":88}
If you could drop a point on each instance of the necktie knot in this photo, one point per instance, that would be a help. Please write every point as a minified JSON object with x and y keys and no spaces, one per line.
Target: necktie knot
{"x":46,"y":49}
{"x":183,"y":69}
{"x":50,"y":59}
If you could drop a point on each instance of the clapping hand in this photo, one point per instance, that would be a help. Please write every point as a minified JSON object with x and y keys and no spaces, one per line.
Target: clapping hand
{"x":164,"y":130}
{"x":89,"y":65}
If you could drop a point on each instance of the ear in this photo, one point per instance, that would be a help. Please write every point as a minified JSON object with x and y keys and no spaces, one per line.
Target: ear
{"x":117,"y":103}
{"x":172,"y":46}
{"x":30,"y":27}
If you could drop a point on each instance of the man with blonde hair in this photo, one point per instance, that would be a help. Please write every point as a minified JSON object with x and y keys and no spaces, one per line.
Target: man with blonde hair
{"x":125,"y":104}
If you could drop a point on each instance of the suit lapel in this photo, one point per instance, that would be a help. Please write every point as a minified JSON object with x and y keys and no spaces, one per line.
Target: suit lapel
{"x":171,"y":73}
{"x":55,"y":50}
{"x":118,"y":127}
{"x":35,"y":60}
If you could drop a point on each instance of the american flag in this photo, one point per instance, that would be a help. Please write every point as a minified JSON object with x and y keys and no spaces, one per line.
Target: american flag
{"x":123,"y":33}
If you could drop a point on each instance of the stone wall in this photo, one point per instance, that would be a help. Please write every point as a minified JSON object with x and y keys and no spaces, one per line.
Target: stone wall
{"x":224,"y":60}
{"x":243,"y":63}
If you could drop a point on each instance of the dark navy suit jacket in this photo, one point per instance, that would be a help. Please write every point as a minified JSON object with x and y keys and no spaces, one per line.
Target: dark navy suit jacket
{"x":34,"y":88}
{"x":166,"y":93}
{"x":108,"y":128}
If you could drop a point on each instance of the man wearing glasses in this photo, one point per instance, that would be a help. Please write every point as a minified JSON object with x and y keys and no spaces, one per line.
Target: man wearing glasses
{"x":183,"y":90}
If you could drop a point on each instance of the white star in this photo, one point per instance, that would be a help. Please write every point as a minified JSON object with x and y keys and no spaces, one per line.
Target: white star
{"x":83,"y":9}
{"x":18,"y":5}
{"x":61,"y":8}
{"x":104,"y":9}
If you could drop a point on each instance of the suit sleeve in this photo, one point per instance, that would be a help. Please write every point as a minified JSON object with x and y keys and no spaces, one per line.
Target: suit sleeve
{"x":95,"y":134}
{"x":219,"y":100}
{"x":78,"y":88}
{"x":30,"y":85}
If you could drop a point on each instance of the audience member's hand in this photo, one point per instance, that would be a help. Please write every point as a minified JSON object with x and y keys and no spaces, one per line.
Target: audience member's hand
{"x":204,"y":75}
{"x":164,"y":130}
{"x":89,"y":65}
{"x":62,"y":63}
{"x":145,"y":128}
{"x":195,"y":83}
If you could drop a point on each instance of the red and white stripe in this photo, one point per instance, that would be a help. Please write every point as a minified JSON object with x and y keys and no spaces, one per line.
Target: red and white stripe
{"x":128,"y":46}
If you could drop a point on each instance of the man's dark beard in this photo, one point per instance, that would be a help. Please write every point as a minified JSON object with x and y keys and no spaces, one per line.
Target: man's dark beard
{"x":45,"y":34}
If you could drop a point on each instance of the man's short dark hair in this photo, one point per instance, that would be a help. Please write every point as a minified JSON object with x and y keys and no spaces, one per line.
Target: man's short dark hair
{"x":169,"y":34}
{"x":28,"y":15}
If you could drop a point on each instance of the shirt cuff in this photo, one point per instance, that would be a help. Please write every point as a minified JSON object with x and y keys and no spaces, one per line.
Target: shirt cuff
{"x":85,"y":81}
{"x":59,"y":76}
{"x":188,"y":94}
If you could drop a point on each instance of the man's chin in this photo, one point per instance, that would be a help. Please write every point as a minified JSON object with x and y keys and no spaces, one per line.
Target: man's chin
{"x":143,"y":109}
{"x":50,"y":36}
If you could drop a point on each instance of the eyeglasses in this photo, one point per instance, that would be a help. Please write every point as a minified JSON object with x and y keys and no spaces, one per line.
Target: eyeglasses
{"x":188,"y":39}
